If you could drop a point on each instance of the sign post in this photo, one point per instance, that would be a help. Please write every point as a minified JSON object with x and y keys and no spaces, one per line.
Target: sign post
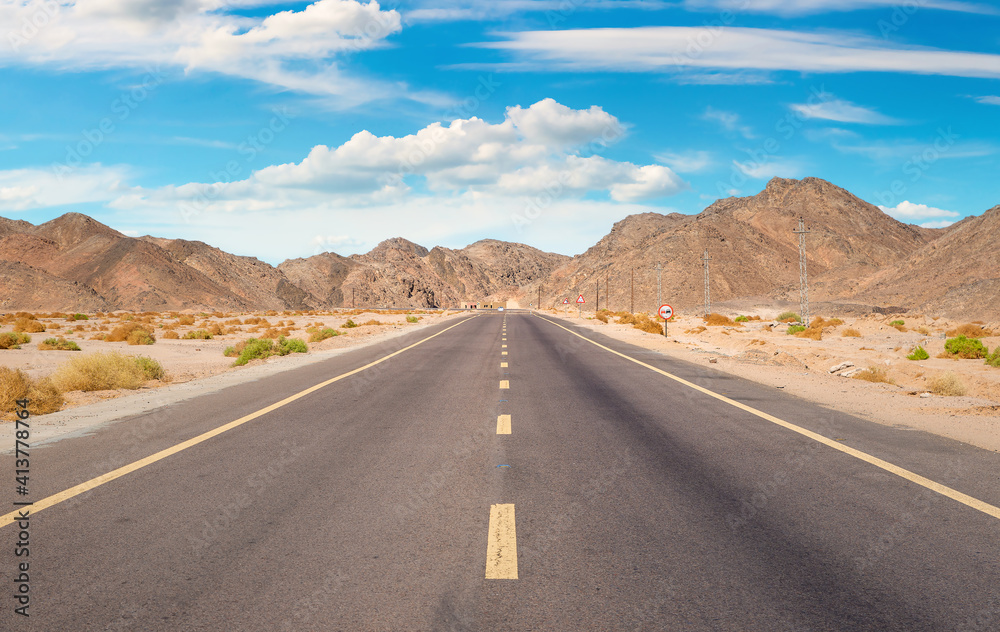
{"x":666,"y":313}
{"x":579,"y":305}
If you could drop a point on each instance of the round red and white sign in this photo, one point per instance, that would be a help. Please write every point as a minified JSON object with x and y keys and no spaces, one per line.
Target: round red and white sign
{"x":666,"y":312}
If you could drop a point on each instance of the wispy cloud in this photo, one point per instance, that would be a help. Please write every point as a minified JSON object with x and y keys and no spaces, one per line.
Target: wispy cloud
{"x":686,"y":162}
{"x":730,"y":121}
{"x":804,"y":7}
{"x":832,"y":109}
{"x":667,"y":49}
{"x":988,"y":100}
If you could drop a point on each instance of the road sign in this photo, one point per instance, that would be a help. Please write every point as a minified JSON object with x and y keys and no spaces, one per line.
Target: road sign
{"x":580,"y":299}
{"x":565,"y":301}
{"x":666,"y":312}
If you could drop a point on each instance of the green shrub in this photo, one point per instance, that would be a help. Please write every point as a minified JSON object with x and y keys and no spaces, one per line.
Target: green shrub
{"x":58,"y":344}
{"x":788,"y":317}
{"x":291,"y":345}
{"x":81,"y":317}
{"x":323,"y":334}
{"x":230,"y":352}
{"x":14,"y":340}
{"x":994,"y":358}
{"x":794,"y":329}
{"x":897,"y":323}
{"x":963,"y":347}
{"x":198,"y":334}
{"x":741,"y":319}
{"x":919,"y":353}
{"x":350,"y":323}
{"x":412,"y":319}
{"x":254,"y":349}
{"x":152,"y":369}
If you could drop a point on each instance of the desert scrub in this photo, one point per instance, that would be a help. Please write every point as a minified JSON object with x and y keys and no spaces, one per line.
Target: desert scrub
{"x":323,"y":334}
{"x":412,"y":319}
{"x":42,"y":394}
{"x":349,"y":324}
{"x":14,"y":340}
{"x":133,"y":333}
{"x":874,"y":374}
{"x":813,"y":333}
{"x":899,"y":325}
{"x":994,"y":358}
{"x":253,"y":349}
{"x":795,"y":329}
{"x":968,"y":330}
{"x":643,"y":322}
{"x":718,"y":320}
{"x":171,"y":335}
{"x":291,"y":345}
{"x":77,"y":317}
{"x":947,"y":384}
{"x":372,"y":322}
{"x":962,"y":347}
{"x":151,"y":368}
{"x":602,"y":316}
{"x":851,"y":333}
{"x":198,"y":334}
{"x":185,"y":320}
{"x":57,"y":344}
{"x":788,"y":317}
{"x":102,"y":371}
{"x":29,"y":326}
{"x":741,"y":319}
{"x":919,"y":353}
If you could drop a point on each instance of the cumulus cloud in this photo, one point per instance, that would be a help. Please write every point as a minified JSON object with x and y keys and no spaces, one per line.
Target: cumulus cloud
{"x":679,"y":49}
{"x":830,"y":108}
{"x":297,"y":50}
{"x":926,"y":216}
{"x":27,"y":189}
{"x":543,"y":148}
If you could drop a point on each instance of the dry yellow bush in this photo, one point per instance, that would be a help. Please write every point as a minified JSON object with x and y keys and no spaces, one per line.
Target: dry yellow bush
{"x":969,"y":330}
{"x":874,"y":374}
{"x":718,"y":320}
{"x":643,"y":322}
{"x":851,"y":333}
{"x":813,"y":333}
{"x":947,"y":384}
{"x":171,"y":335}
{"x":99,"y":372}
{"x":28,"y":326}
{"x":42,"y":394}
{"x":132,"y":332}
{"x":185,"y":320}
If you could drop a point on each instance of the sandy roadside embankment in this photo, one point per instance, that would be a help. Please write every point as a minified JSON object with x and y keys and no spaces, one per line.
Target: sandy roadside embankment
{"x":801,"y":366}
{"x":197,"y":367}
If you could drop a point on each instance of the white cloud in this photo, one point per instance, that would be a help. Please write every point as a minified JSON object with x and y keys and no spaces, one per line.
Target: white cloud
{"x":915,"y":213}
{"x":988,"y":100}
{"x":682,"y":48}
{"x":800,"y":7}
{"x":295,"y":50}
{"x":557,"y":11}
{"x":26,"y":189}
{"x":769,"y":169}
{"x":730,"y":121}
{"x":832,"y":109}
{"x":686,"y":162}
{"x":545,"y":149}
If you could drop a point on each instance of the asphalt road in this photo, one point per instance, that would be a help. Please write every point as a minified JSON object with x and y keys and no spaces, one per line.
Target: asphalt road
{"x":623,"y":500}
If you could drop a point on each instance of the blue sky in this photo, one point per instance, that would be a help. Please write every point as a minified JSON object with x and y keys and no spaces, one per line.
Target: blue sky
{"x":283,"y":129}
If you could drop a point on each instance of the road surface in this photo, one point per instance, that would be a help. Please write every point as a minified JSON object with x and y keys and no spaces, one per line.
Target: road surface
{"x":503,"y":472}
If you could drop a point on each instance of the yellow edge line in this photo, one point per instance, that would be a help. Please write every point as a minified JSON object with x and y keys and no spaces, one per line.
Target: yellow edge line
{"x":55,"y":499}
{"x":965,"y":499}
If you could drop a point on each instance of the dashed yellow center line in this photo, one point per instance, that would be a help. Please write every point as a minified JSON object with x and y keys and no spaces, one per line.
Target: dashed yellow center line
{"x":86,"y":486}
{"x":501,"y":548}
{"x":965,"y":499}
{"x":503,"y":424}
{"x":503,"y":365}
{"x":503,"y":346}
{"x":503,"y":353}
{"x":504,"y":384}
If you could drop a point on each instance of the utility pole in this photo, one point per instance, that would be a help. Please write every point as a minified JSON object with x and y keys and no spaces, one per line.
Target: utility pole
{"x":708,"y":295}
{"x":803,"y":277}
{"x":631,"y":305}
{"x":658,"y":303}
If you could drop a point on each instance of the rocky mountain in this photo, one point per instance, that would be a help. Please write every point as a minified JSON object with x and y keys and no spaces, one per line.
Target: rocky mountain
{"x":856,"y":253}
{"x":958,"y":273}
{"x":752,"y":246}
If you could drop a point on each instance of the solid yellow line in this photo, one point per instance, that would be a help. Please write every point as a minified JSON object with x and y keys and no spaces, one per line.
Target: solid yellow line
{"x":504,"y":383}
{"x":501,"y":548}
{"x":503,"y":424}
{"x":913,"y":477}
{"x":503,"y":365}
{"x":55,"y":499}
